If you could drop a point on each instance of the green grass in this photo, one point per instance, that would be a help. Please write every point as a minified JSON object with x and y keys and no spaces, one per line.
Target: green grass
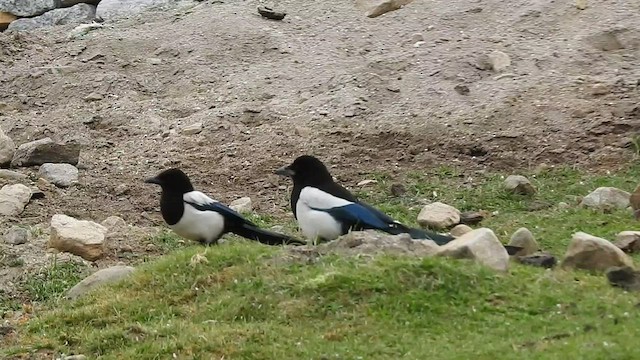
{"x":241,"y":305}
{"x":53,"y":280}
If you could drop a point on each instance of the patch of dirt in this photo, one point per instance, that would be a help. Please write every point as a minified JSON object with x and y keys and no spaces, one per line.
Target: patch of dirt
{"x":358,"y":92}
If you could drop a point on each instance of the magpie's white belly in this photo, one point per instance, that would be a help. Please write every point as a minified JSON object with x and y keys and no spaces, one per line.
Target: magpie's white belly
{"x":314,"y":223}
{"x":198,"y":225}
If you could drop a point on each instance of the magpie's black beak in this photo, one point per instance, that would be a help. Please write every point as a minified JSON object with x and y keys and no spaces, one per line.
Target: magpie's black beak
{"x":153,"y":180}
{"x":285,"y":171}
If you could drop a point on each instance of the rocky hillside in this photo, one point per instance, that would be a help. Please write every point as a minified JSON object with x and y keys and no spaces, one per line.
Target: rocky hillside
{"x":229,"y":96}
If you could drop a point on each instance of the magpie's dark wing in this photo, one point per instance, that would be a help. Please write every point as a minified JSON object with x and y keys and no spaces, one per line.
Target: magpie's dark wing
{"x":202,"y":202}
{"x":343,"y":210}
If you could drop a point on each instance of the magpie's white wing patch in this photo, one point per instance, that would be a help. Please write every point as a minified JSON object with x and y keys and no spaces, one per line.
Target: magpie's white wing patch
{"x":318,"y":199}
{"x":197,"y":197}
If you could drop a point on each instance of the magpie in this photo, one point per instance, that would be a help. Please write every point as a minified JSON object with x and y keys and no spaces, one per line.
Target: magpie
{"x":195,"y":216}
{"x":325,"y":210}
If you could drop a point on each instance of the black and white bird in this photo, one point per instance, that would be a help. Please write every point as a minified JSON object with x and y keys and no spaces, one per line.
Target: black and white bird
{"x":195,"y":216}
{"x":325,"y":210}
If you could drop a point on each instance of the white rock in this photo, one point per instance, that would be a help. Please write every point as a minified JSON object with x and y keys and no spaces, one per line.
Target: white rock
{"x":593,"y":253}
{"x":499,"y":61}
{"x":460,"y":230}
{"x":607,"y":197}
{"x":13,"y":199}
{"x":61,"y":175}
{"x":7,"y":149}
{"x":99,"y":278}
{"x":628,"y":241}
{"x":438,"y":215}
{"x":481,"y":245}
{"x":524,"y":238}
{"x":79,"y":237}
{"x":242,"y":205}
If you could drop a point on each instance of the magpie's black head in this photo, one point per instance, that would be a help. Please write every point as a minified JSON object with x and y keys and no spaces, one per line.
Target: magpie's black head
{"x":172,"y":181}
{"x":306,"y":169}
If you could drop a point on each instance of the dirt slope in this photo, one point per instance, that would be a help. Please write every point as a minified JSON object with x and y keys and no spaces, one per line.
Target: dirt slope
{"x":357,"y":92}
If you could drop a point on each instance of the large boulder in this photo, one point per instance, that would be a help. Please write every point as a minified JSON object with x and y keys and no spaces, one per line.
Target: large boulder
{"x":27,"y":8}
{"x":79,"y":237}
{"x":77,"y":14}
{"x":588,"y":252}
{"x":606,"y":198}
{"x":46,"y":151}
{"x":111,"y":9}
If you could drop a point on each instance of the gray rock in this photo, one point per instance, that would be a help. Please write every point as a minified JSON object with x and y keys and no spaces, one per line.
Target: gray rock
{"x":121,"y":189}
{"x":111,"y":9}
{"x":471,"y":217}
{"x":519,"y":184}
{"x":16,"y":236}
{"x":624,"y":277}
{"x":480,"y":245}
{"x":192,"y":129}
{"x":242,"y":205}
{"x":46,"y":151}
{"x":605,"y":41}
{"x":12,"y":175}
{"x":499,"y":61}
{"x":628,"y":241}
{"x":99,"y":278}
{"x":7,"y":149}
{"x":540,"y":259}
{"x":61,"y":175}
{"x":94,"y":96}
{"x":115,"y":226}
{"x":496,"y":61}
{"x":588,"y":252}
{"x":77,"y":14}
{"x":372,"y":242}
{"x":438,"y":216}
{"x":13,"y":199}
{"x":524,"y":238}
{"x":79,"y":237}
{"x":376,"y":8}
{"x":114,"y":223}
{"x":27,"y":8}
{"x":606,"y":197}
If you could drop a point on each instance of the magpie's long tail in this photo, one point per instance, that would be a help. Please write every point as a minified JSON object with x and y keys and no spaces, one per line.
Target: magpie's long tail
{"x":264,"y":236}
{"x":437,"y":238}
